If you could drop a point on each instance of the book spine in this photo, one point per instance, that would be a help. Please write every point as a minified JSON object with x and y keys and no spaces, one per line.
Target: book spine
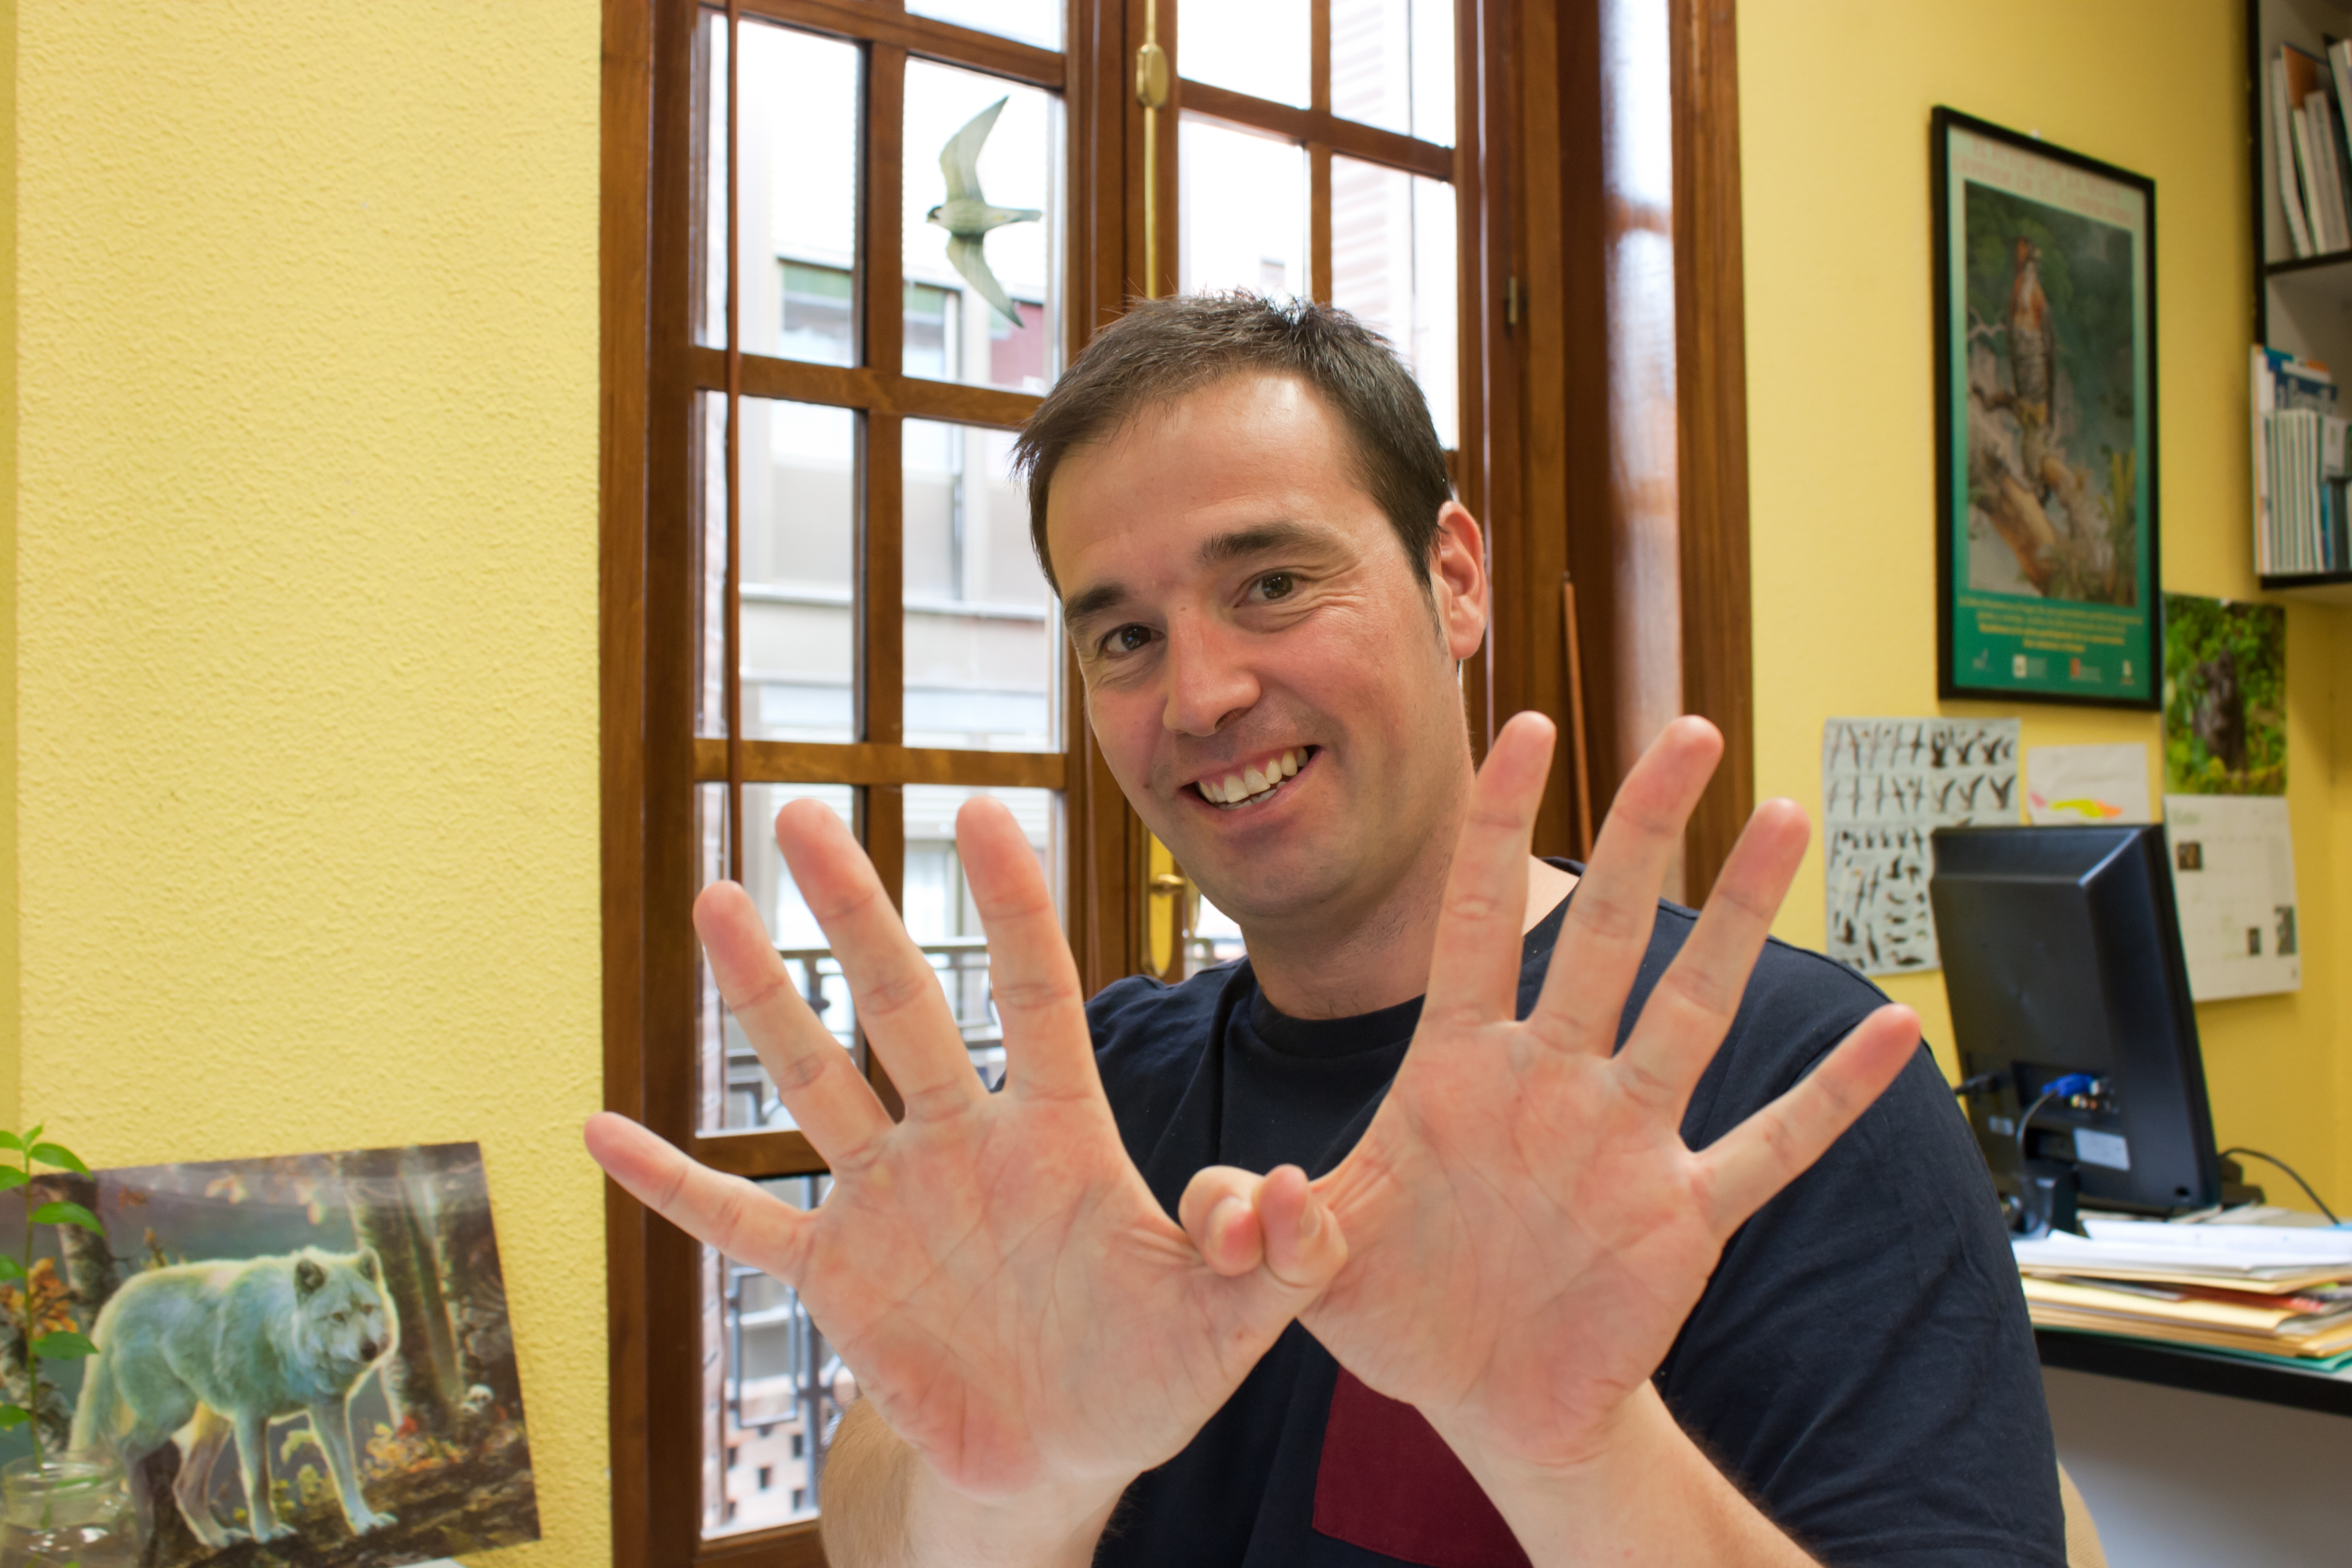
{"x":2339,"y":66}
{"x":2306,"y":433}
{"x":2322,"y":126}
{"x":2258,"y":390}
{"x":2282,"y":144}
{"x":2322,"y":123}
{"x":2299,"y":130}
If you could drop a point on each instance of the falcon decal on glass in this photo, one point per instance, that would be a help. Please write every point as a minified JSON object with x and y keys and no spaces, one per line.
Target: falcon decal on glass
{"x":966,"y":215}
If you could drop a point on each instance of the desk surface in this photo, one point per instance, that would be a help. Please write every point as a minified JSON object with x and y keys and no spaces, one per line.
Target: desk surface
{"x":2178,"y":1366}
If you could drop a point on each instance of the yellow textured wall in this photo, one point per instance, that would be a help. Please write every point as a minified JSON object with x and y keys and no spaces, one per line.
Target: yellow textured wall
{"x":8,"y":1031}
{"x":306,"y":647}
{"x":1834,"y":100}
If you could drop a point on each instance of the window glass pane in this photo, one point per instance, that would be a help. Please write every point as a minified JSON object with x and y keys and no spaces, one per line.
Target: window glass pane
{"x":710,"y":565}
{"x":983,"y":649}
{"x":1392,"y":64}
{"x":796,"y":201}
{"x":738,"y":1094}
{"x":1256,"y":46}
{"x":711,"y":1025}
{"x":1241,"y":211}
{"x":775,"y":1390}
{"x":1392,"y":266}
{"x":800,"y":531}
{"x":1213,"y":937}
{"x":994,"y":242}
{"x":939,"y":912}
{"x":1037,"y":22}
{"x":710,"y":151}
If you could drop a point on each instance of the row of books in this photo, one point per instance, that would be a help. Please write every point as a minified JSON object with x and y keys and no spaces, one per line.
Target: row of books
{"x":2308,"y":137}
{"x":2274,"y":1293}
{"x":2303,"y":514}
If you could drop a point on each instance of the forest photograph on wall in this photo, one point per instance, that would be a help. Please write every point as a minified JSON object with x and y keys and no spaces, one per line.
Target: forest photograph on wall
{"x":301,"y":1361}
{"x":2045,"y":411}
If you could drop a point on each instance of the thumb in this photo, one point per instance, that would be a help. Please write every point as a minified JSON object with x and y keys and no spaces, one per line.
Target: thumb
{"x":1242,"y":1224}
{"x":1304,"y":1245}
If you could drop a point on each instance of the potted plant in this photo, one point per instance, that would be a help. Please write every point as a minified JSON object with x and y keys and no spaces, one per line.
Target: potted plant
{"x":62,"y":1509}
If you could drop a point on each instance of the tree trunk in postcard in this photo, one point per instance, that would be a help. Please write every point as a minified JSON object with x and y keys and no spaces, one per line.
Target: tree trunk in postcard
{"x":85,"y":1270}
{"x":477,"y":1295}
{"x":385,"y":1219}
{"x":85,"y":1261}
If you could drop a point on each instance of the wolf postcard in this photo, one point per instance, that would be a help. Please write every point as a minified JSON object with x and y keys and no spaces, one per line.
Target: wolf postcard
{"x":301,"y":1361}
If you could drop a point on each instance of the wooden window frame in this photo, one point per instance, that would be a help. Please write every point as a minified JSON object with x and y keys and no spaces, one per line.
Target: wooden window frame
{"x":1539,"y":436}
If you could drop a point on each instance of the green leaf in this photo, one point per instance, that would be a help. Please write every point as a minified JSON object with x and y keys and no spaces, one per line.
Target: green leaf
{"x":68,"y":1214}
{"x":31,"y":1136}
{"x":10,"y":1141}
{"x":12,"y":1416}
{"x":63,"y":1345}
{"x":11,"y":1178}
{"x":10,"y":1268}
{"x":59,"y":1154}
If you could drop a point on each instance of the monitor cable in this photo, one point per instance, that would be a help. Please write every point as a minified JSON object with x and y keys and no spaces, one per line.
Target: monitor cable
{"x":2290,"y":1170}
{"x":2027,"y":1120}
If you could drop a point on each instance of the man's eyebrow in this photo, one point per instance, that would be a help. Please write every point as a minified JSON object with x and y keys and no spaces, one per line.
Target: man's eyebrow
{"x":1259,"y":540}
{"x":1093,"y":602}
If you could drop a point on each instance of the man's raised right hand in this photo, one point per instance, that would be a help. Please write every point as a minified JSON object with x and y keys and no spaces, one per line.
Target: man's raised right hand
{"x":1015,"y":1304}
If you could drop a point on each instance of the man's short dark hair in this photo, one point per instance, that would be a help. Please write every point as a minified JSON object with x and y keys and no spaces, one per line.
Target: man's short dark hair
{"x":1164,"y":350}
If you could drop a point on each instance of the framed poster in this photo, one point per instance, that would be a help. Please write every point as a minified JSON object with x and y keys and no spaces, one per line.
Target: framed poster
{"x":2046,"y":422}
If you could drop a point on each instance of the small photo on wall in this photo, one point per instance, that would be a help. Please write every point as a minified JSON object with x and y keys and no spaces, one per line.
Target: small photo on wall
{"x":2224,"y":696}
{"x":300,"y":1360}
{"x":2045,"y":397}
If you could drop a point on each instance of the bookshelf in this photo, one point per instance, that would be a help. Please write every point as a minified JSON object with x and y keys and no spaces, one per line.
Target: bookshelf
{"x":2302,"y":304}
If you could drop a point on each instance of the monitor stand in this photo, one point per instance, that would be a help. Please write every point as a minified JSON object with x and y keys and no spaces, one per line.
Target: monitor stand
{"x":2049,"y":1192}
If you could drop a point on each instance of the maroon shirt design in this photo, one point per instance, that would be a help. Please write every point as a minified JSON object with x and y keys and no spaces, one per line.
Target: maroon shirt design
{"x":1389,"y":1484}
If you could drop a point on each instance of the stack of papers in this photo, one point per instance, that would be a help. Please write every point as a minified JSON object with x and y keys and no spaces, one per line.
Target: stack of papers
{"x":2274,"y":1292}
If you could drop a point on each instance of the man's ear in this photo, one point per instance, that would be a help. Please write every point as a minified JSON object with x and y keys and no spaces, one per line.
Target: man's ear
{"x":1457,"y":580}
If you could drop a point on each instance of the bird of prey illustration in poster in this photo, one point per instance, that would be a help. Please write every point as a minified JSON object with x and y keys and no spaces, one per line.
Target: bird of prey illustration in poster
{"x":966,"y":215}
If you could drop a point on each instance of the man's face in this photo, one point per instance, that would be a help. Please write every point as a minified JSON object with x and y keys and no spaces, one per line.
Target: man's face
{"x":1271,"y":685}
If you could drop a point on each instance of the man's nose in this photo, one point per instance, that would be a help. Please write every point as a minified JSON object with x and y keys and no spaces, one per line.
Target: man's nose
{"x":1208,"y":675}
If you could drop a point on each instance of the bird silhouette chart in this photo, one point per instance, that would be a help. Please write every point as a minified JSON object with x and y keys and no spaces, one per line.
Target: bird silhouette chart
{"x":968,"y":217}
{"x":1886,"y":783}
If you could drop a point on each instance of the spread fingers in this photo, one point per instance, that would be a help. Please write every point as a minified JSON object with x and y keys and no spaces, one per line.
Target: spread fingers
{"x":724,"y":1212}
{"x":1691,"y":1009}
{"x":1032,"y":978}
{"x":900,"y":1003}
{"x":1616,"y":902}
{"x":1473,"y":969}
{"x":1755,"y":1160}
{"x":817,"y":1079}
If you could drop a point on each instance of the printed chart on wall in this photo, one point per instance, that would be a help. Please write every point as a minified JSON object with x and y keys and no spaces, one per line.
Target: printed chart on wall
{"x":2225,"y":810}
{"x":2047,"y":428}
{"x":1886,"y":783}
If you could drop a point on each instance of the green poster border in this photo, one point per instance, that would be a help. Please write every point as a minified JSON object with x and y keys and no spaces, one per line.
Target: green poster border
{"x":1949,"y":292}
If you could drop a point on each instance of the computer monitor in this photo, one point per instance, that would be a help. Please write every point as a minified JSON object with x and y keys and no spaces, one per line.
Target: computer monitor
{"x":2063,"y":963}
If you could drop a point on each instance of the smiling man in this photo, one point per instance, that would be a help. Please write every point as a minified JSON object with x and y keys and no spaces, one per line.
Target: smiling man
{"x":1482,"y":1216}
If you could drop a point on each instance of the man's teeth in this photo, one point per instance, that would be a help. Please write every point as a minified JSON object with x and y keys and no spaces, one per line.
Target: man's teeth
{"x":1261,"y":779}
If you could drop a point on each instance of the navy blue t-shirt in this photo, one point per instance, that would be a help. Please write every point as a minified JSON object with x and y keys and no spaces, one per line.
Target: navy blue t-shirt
{"x":1861,"y":1363}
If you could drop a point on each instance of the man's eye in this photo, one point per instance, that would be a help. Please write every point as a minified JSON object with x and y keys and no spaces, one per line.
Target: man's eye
{"x":1128,"y":639}
{"x":1277,"y":585}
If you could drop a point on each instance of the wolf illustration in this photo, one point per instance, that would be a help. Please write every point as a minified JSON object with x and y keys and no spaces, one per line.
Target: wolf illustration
{"x":223,"y":1349}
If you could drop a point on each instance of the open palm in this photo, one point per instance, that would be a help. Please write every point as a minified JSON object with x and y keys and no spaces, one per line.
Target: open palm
{"x":1014,"y":1300}
{"x":1527,"y":1229}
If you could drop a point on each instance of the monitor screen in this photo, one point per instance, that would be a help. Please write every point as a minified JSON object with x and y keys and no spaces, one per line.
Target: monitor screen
{"x":2061,"y":959}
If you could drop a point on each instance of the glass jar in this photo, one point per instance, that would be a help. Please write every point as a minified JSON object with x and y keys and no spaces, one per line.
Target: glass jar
{"x":70,"y":1508}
